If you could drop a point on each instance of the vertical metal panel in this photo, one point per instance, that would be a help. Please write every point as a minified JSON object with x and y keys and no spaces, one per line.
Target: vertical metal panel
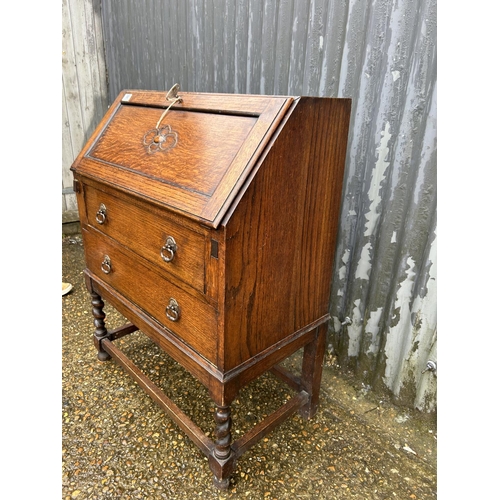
{"x":84,"y":90}
{"x":382,"y":54}
{"x":389,"y":210}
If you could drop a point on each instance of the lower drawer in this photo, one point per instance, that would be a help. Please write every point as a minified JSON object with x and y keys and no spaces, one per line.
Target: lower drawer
{"x":192,"y":320}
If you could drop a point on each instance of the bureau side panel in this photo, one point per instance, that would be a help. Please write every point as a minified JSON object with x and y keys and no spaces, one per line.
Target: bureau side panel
{"x":280,"y":238}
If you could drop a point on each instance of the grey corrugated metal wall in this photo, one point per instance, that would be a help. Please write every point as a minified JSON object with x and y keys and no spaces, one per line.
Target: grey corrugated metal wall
{"x":382,"y":54}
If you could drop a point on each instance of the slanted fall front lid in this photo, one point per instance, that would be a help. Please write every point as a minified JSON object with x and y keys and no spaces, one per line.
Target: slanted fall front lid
{"x":188,"y":151}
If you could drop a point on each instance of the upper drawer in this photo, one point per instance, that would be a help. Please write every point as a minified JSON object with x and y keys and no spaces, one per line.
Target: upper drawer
{"x":191,"y":154}
{"x":171,"y":247}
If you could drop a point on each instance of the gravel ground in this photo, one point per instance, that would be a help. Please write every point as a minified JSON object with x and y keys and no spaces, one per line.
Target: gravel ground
{"x":117,"y":444}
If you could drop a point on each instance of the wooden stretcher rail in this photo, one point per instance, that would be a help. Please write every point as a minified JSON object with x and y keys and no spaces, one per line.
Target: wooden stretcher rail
{"x":173,"y":411}
{"x":269,"y":423}
{"x":198,"y":437}
{"x":289,"y":378}
{"x":121,"y":331}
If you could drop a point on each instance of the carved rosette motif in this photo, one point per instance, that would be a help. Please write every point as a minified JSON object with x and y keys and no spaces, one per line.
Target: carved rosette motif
{"x":160,"y":139}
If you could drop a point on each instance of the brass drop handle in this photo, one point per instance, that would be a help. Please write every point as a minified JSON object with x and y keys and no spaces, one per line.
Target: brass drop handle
{"x":173,"y":310}
{"x":168,"y":250}
{"x":100,"y":216}
{"x":106,"y":265}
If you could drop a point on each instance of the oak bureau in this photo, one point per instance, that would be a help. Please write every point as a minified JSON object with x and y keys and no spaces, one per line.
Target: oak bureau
{"x":209,"y":222}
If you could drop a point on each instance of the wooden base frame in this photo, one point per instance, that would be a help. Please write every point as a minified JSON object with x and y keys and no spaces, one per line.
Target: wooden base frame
{"x":223,"y":453}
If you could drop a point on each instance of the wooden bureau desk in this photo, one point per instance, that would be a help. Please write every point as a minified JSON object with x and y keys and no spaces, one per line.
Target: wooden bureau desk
{"x":209,"y":221}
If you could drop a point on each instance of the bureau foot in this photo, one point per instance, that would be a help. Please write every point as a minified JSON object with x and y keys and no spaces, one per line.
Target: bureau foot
{"x":100,"y":325}
{"x":312,"y":369}
{"x":221,"y":479}
{"x":222,"y":460}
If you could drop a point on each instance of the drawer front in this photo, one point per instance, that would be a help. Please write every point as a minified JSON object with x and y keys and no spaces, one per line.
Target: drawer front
{"x":190,"y":319}
{"x":173,"y":248}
